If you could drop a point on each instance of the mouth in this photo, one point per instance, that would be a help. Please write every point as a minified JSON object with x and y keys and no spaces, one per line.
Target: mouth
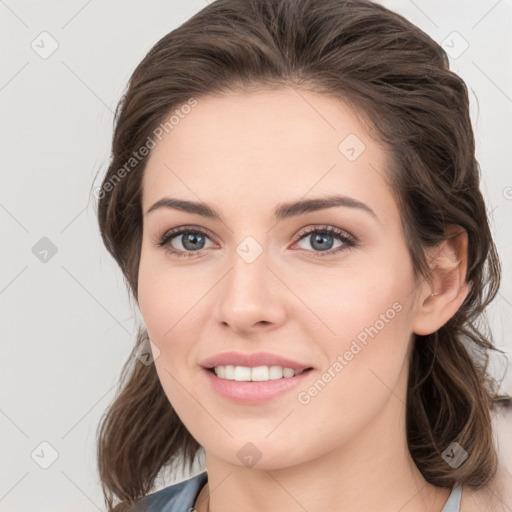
{"x":236,"y":385}
{"x":254,"y":378}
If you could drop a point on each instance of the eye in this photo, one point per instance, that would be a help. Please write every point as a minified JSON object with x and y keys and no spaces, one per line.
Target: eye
{"x":191,"y":241}
{"x":321,"y":239}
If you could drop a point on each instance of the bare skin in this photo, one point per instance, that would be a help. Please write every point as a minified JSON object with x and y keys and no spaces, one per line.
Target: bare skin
{"x":345,"y":449}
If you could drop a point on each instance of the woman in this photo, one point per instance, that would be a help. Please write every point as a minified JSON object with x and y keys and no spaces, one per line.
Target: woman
{"x":293,"y":199}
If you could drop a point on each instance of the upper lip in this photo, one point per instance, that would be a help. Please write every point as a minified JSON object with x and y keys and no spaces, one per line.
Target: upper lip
{"x":252,"y":360}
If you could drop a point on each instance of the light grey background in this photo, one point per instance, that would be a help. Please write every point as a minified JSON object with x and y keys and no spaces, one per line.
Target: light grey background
{"x":67,"y":323}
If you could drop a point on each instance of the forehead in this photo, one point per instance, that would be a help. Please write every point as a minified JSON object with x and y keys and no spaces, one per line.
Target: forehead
{"x":249,"y":149}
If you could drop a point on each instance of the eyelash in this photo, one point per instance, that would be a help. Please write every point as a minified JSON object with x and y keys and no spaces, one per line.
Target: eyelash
{"x":349,"y":241}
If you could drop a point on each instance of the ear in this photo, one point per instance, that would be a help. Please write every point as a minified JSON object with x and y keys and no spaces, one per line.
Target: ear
{"x":440,"y":297}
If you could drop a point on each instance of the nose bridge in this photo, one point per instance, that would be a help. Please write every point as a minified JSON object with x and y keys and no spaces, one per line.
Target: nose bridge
{"x":248,"y":294}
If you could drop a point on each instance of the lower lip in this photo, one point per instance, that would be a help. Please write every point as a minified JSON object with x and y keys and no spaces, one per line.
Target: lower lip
{"x":254,"y":392}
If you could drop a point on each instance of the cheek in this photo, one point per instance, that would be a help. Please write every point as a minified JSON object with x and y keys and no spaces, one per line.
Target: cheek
{"x":369,"y":313}
{"x":166,"y":296}
{"x":365,"y":366}
{"x":166,"y":304}
{"x":363,"y":298}
{"x":174,"y":305}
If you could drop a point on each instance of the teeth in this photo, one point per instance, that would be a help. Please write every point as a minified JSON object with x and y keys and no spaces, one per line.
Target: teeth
{"x":259,"y":373}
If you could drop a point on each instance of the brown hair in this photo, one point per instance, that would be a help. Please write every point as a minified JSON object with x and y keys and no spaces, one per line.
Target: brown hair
{"x":398,"y":78}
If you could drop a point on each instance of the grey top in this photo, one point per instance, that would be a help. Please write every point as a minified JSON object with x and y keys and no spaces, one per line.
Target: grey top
{"x":182,"y":497}
{"x":175,"y":498}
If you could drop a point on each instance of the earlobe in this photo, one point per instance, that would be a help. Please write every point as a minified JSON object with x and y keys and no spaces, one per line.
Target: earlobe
{"x":447,"y":288}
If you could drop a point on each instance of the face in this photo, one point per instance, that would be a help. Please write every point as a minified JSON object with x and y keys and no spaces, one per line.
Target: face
{"x":329,"y":288}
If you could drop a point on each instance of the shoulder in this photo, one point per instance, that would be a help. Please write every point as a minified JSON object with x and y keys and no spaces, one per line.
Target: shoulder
{"x":179,"y":497}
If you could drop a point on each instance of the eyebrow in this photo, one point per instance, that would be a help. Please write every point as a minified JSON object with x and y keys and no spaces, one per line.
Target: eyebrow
{"x":282,"y":211}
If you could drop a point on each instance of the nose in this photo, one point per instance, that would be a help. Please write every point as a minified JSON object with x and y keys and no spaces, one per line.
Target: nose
{"x":250,"y":297}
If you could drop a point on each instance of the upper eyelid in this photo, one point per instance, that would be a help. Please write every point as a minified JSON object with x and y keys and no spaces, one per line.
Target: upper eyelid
{"x":328,"y":228}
